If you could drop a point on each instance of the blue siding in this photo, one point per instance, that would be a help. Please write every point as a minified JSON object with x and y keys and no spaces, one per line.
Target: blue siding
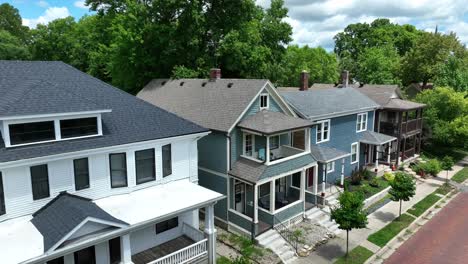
{"x":236,"y":144}
{"x":212,"y":152}
{"x":289,"y":213}
{"x":240,"y":221}
{"x":218,"y":184}
{"x":255,"y":107}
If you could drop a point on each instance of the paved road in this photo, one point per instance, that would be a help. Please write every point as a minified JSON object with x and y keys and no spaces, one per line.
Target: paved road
{"x":444,"y":239}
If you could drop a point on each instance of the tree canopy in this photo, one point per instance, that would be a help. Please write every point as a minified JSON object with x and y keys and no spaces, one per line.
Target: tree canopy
{"x":403,"y":188}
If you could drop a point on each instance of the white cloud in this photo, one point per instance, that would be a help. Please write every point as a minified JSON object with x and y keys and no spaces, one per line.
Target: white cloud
{"x":80,"y":4}
{"x":315,"y":22}
{"x":42,"y":4}
{"x":50,"y":14}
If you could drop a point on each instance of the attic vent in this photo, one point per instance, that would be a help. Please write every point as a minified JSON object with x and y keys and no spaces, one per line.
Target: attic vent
{"x":182,"y":83}
{"x":230,"y":85}
{"x":203,"y":84}
{"x":164,"y":82}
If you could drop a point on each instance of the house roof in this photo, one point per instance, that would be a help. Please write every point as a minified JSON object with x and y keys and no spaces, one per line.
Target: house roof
{"x":398,"y":104}
{"x":55,"y":87}
{"x":327,"y":154}
{"x":269,"y":122}
{"x":63,"y":214}
{"x":374,"y":138}
{"x":213,"y":104}
{"x":252,"y":171}
{"x":321,"y":103}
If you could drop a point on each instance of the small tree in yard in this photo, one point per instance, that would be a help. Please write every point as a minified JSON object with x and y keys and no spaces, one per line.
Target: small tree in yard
{"x":403,"y":188}
{"x":350,"y":213}
{"x":446,"y":165}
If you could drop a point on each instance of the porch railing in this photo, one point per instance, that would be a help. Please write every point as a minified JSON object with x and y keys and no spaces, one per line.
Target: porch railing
{"x":192,"y":232}
{"x":411,"y":125}
{"x":185,"y":255}
{"x":286,"y":233}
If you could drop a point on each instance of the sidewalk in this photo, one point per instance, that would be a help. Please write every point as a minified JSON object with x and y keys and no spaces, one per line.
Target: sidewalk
{"x":336,"y":247}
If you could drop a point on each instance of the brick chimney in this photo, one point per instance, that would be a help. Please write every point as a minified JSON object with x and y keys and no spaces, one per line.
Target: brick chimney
{"x":304,"y":81}
{"x":215,"y":74}
{"x":345,"y":78}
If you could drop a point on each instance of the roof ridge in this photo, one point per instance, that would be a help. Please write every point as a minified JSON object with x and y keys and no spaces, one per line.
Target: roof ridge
{"x":61,"y":194}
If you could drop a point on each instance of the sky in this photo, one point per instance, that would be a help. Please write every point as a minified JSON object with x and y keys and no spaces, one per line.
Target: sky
{"x":314,"y":22}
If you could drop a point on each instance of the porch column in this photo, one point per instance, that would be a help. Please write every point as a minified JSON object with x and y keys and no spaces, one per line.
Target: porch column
{"x":342,"y":172}
{"x":126,"y":253}
{"x":210,"y":231}
{"x":102,"y":252}
{"x":267,"y":150}
{"x":272,"y":196}
{"x":69,"y":259}
{"x":389,"y":152}
{"x":255,"y":214}
{"x":377,"y":157}
{"x":316,"y":179}
{"x":303,"y":184}
{"x":307,"y":139}
{"x":324,"y":176}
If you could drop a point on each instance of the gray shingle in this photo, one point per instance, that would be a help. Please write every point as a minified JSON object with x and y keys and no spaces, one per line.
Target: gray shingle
{"x":314,"y":104}
{"x":374,"y":138}
{"x":326,"y":154}
{"x":253,"y":171}
{"x":61,"y":215}
{"x":269,"y":122}
{"x":213,"y":104}
{"x":131,"y":120}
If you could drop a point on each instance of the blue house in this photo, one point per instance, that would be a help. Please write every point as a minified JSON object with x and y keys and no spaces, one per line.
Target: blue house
{"x":258,"y":153}
{"x":342,"y":131}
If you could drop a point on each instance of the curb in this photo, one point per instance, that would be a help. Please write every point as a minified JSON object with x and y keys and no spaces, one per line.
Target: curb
{"x":413,"y":227}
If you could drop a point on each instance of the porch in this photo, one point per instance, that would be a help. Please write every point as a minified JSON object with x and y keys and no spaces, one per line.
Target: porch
{"x":379,"y":150}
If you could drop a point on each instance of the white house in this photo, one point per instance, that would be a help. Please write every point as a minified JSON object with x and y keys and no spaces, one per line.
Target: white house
{"x":90,"y":174}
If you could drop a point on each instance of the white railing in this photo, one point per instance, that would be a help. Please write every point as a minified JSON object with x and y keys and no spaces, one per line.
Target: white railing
{"x":193,"y":233}
{"x":185,"y":255}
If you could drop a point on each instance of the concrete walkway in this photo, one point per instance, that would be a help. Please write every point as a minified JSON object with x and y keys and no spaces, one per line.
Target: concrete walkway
{"x":336,"y":247}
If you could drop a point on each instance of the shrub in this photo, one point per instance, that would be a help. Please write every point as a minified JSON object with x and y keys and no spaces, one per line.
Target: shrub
{"x":432,"y":166}
{"x":366,"y":174}
{"x":356,"y":177}
{"x":365,"y":189}
{"x":388,"y":176}
{"x":374,"y":183}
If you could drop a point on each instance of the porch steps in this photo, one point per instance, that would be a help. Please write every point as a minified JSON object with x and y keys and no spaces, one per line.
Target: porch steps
{"x":273,"y":240}
{"x":321,"y":217}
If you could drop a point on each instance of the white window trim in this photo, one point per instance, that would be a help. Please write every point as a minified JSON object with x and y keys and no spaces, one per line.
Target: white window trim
{"x":332,"y":168}
{"x":244,"y":145}
{"x":267,"y":101}
{"x":361,"y":126}
{"x":321,"y":123}
{"x":357,"y":153}
{"x":58,"y":136}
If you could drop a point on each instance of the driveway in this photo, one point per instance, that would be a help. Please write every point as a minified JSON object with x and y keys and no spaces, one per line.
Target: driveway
{"x":444,"y":239}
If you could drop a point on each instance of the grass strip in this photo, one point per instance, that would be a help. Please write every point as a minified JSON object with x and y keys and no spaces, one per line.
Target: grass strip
{"x":358,"y":255}
{"x":419,"y":208}
{"x":444,"y":189}
{"x":381,"y":237}
{"x":461,"y":176}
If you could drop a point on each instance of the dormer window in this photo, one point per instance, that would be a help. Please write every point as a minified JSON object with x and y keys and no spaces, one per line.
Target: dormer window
{"x":80,"y":127}
{"x":264,"y":101}
{"x":31,"y":132}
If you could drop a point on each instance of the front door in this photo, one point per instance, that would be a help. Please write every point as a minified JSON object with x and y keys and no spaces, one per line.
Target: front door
{"x":85,"y":256}
{"x":240,"y":197}
{"x":310,"y":177}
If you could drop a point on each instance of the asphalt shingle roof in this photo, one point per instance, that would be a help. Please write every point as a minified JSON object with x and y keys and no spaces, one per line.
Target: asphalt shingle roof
{"x":374,"y":138}
{"x":326,"y":154}
{"x":213,"y":104}
{"x":61,"y":215}
{"x":269,"y":122}
{"x":253,"y":171}
{"x":317,"y":103}
{"x":55,"y":87}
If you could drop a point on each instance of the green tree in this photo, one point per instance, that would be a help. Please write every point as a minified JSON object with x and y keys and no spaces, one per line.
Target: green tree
{"x":446,"y":116}
{"x":12,"y":48}
{"x":378,"y":65}
{"x":447,"y":164}
{"x":10,"y":20}
{"x":403,"y":187}
{"x":350,"y":213}
{"x":322,"y":66}
{"x":424,"y":62}
{"x":453,"y":73}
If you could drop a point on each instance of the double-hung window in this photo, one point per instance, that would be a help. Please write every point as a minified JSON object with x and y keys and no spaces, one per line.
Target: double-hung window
{"x":248,"y":144}
{"x":264,"y":101}
{"x":361,"y":123}
{"x":167,"y":160}
{"x":330,"y":167}
{"x":354,"y":153}
{"x":145,"y":166}
{"x":323,"y":131}
{"x":118,"y":170}
{"x":2,"y":196}
{"x":274,"y":142}
{"x":167,"y":225}
{"x":40,"y":181}
{"x":81,"y":170}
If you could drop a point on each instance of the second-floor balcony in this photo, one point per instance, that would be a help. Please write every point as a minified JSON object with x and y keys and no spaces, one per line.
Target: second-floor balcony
{"x":391,"y":128}
{"x":272,"y":137}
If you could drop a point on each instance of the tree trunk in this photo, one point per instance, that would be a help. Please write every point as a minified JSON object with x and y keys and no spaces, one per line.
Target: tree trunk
{"x":400,"y":208}
{"x":347,"y":242}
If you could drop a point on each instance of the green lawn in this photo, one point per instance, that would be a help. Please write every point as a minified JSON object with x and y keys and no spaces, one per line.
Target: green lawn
{"x":381,"y":237}
{"x":356,"y":256}
{"x":444,"y":189}
{"x":461,"y":176}
{"x":366,"y":189}
{"x":419,"y":208}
